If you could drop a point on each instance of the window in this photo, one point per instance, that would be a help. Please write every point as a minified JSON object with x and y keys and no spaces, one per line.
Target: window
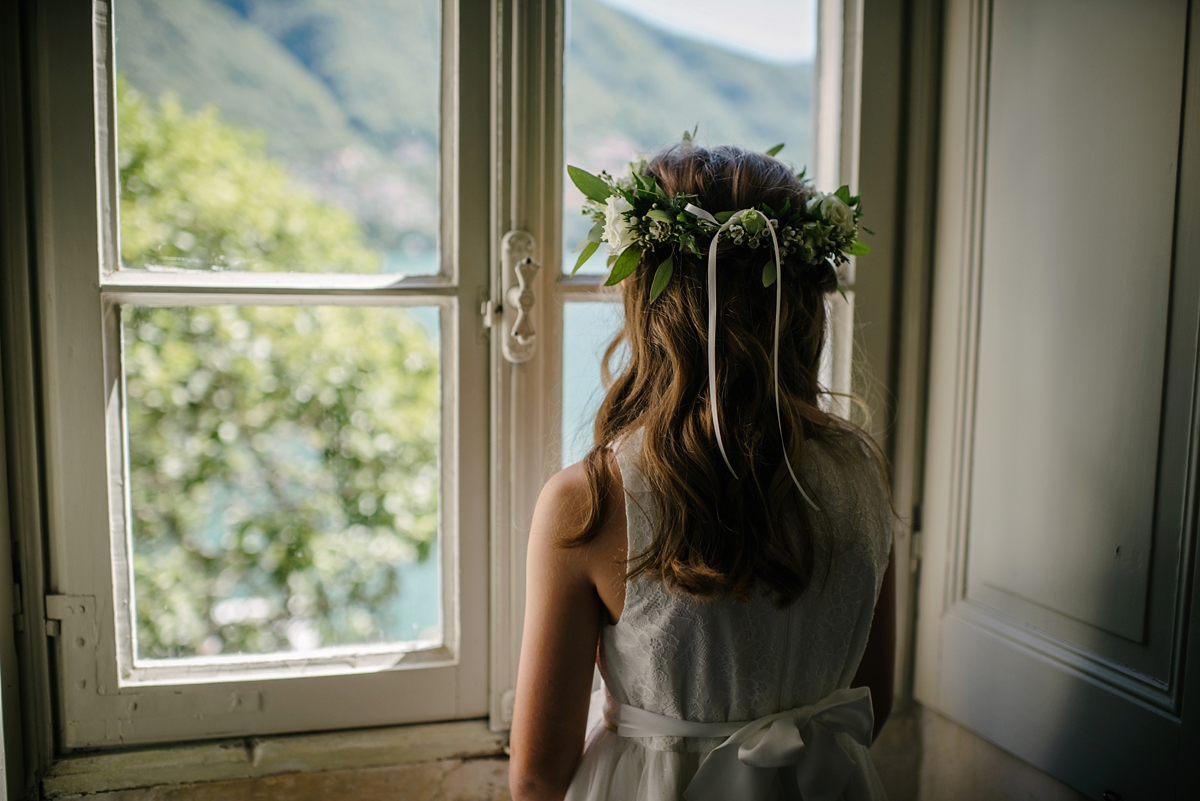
{"x":294,"y":376}
{"x":293,"y":443}
{"x":282,"y":461}
{"x":635,"y":78}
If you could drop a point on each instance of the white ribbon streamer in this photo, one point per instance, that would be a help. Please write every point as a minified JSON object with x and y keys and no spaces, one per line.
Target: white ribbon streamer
{"x":696,"y":211}
{"x":804,"y":742}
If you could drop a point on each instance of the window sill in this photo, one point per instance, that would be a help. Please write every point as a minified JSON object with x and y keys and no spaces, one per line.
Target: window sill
{"x":270,"y":756}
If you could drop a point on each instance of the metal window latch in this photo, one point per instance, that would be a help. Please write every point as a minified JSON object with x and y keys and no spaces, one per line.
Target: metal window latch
{"x":518,"y":269}
{"x":489,"y":310}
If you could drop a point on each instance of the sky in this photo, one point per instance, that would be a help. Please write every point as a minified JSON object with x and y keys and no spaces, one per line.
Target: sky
{"x":778,"y":31}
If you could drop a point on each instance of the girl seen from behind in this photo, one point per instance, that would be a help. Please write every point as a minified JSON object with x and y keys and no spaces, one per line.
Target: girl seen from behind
{"x":722,"y":551}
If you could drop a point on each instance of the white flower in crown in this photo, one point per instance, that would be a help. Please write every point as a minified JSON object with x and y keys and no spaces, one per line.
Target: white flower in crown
{"x":835,"y":212}
{"x":619,"y":232}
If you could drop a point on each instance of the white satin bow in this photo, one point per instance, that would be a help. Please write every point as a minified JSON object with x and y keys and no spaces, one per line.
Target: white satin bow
{"x":801,"y":741}
{"x":696,"y":211}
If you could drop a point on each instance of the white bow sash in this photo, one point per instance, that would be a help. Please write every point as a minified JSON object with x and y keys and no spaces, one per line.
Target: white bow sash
{"x":802,"y":741}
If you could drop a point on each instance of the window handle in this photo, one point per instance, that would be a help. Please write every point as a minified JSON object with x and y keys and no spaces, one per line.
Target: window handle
{"x":519,"y":270}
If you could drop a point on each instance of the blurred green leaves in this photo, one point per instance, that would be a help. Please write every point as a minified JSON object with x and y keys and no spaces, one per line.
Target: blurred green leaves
{"x":283,"y":460}
{"x":197,"y":192}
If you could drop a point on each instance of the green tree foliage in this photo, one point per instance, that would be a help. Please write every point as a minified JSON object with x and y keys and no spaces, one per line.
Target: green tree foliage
{"x":283,"y":461}
{"x":198,"y":192}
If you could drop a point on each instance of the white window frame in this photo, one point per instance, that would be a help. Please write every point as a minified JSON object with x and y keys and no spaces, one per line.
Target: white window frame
{"x":527,"y":397}
{"x":103,"y":698}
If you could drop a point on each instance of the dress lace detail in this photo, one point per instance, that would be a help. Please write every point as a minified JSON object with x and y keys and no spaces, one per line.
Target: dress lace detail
{"x":719,"y":661}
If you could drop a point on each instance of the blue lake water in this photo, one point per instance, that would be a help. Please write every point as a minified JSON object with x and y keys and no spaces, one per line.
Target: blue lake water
{"x":588,"y":328}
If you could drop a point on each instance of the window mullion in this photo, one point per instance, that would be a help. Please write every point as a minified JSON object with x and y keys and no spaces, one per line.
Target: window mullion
{"x":173,"y":296}
{"x":229,"y":281}
{"x":526,"y":126}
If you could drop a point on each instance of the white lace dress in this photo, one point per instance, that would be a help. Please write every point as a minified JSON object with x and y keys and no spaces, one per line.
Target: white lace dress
{"x":679,"y":659}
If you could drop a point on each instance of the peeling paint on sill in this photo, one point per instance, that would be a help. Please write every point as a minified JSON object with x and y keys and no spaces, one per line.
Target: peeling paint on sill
{"x":271,"y":756}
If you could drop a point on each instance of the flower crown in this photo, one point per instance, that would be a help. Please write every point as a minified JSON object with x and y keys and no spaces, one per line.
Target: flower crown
{"x":634,"y":217}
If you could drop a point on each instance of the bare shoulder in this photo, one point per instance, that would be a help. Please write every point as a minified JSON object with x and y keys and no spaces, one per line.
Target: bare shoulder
{"x":566,"y":497}
{"x":561,"y":512}
{"x":563,"y":502}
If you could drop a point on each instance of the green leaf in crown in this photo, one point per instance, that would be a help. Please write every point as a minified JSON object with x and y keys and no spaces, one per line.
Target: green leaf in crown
{"x":592,"y":187}
{"x":638,"y":221}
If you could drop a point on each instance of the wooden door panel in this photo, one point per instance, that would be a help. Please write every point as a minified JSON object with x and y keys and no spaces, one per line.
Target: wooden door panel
{"x":1061,"y":468}
{"x":1067,"y":724}
{"x":1083,"y":113}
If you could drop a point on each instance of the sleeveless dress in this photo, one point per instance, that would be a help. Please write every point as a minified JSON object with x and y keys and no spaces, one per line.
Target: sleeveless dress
{"x":776,"y":679}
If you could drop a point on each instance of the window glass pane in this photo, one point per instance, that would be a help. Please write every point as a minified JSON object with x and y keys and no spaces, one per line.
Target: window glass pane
{"x":283,"y":477}
{"x":588,"y":328}
{"x":279,"y":135}
{"x":639,"y":74}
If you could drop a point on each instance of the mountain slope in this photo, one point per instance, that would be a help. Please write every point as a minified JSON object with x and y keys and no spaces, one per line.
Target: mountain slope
{"x":380,"y":62}
{"x":347,"y":94}
{"x":314,"y":76}
{"x":205,"y":54}
{"x":650,"y":85}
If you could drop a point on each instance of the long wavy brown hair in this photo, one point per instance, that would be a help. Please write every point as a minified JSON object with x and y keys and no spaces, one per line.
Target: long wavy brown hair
{"x":719,"y":536}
